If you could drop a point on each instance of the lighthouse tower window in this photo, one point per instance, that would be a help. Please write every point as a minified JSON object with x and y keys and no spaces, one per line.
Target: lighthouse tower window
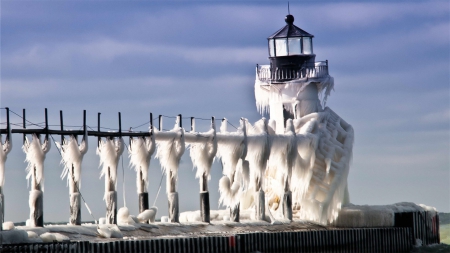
{"x":281,"y":47}
{"x":294,"y":46}
{"x":307,"y":45}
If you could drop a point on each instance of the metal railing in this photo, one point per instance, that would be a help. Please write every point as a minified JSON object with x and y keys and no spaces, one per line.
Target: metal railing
{"x":265,"y":74}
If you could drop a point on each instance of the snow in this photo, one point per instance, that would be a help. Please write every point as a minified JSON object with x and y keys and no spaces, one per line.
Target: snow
{"x":148,"y":215}
{"x":8,"y":225}
{"x":140,"y":151}
{"x":377,"y":215}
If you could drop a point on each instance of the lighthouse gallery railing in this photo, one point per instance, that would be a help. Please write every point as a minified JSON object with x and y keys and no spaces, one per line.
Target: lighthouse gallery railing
{"x":264,"y":73}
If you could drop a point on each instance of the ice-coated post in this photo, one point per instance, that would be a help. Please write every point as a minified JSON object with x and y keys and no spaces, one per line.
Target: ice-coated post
{"x":260,"y":205}
{"x":36,"y":208}
{"x":2,"y":211}
{"x":234,"y":213}
{"x":160,"y":127}
{"x":75,"y":208}
{"x":173,"y":207}
{"x":204,"y":206}
{"x":111,"y":207}
{"x":143,"y":201}
{"x":287,"y":205}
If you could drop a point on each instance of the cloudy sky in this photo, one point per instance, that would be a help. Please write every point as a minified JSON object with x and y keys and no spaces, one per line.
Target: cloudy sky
{"x":390,"y":62}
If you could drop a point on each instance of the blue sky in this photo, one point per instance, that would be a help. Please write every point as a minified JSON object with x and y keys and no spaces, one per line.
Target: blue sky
{"x":390,"y":62}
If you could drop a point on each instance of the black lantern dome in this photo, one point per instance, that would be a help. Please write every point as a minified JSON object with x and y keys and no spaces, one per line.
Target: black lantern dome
{"x":290,"y":47}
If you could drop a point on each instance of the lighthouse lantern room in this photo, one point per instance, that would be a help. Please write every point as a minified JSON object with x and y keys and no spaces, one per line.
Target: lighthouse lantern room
{"x":291,"y":85}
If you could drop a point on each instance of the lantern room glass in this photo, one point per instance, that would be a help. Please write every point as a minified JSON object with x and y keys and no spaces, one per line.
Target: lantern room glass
{"x":271,"y":48}
{"x":307,"y":45}
{"x":294,"y":46}
{"x":281,"y":47}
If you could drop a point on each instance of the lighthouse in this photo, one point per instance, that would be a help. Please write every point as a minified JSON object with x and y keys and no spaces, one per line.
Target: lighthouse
{"x":293,"y":84}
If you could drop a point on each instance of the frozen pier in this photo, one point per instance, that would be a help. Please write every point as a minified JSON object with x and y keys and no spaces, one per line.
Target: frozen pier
{"x":246,"y":236}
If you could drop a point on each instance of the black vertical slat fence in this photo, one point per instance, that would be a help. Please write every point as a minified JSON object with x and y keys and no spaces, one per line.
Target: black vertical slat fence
{"x":392,"y":239}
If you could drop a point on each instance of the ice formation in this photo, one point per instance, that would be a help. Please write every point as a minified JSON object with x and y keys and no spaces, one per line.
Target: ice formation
{"x":148,"y":215}
{"x":377,"y":216}
{"x":170,"y":148}
{"x":35,"y":156}
{"x":232,"y":150}
{"x":4,"y":150}
{"x":140,"y":151}
{"x":267,"y":94}
{"x":203,"y":148}
{"x":72,"y":156}
{"x":110,"y":151}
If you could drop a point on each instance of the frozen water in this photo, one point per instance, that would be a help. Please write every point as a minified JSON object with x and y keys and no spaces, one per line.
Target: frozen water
{"x":140,"y":151}
{"x":35,"y":156}
{"x":72,"y":157}
{"x":110,"y":151}
{"x":4,"y":150}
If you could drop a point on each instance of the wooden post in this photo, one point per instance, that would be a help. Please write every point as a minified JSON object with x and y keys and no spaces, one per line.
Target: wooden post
{"x":2,"y":197}
{"x":143,"y":196}
{"x":98,"y":127}
{"x":174,"y":210}
{"x":260,"y":205}
{"x":180,"y":120}
{"x":287,"y":205}
{"x":24,"y":125}
{"x":62,"y":126}
{"x":192,"y":124}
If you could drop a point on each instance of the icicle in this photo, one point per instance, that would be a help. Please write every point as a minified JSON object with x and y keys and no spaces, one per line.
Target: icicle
{"x":110,"y":151}
{"x":232,"y":148}
{"x":169,"y":153}
{"x":72,"y":157}
{"x":203,"y":153}
{"x":140,"y":152}
{"x":4,"y":150}
{"x":35,"y":156}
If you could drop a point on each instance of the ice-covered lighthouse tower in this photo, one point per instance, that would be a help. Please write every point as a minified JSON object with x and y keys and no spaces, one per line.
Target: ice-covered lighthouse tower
{"x":290,"y":86}
{"x":294,"y":89}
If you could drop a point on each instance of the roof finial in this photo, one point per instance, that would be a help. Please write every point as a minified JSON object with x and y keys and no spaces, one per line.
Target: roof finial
{"x":289,"y":18}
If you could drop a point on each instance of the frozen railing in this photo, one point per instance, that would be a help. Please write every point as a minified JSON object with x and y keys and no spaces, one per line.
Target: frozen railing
{"x":264,"y":73}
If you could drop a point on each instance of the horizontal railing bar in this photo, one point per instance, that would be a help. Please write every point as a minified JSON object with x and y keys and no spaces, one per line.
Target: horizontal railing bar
{"x":78,"y":132}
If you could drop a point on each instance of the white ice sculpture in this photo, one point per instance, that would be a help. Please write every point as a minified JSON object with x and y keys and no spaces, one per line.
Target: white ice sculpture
{"x":140,"y":152}
{"x":72,"y":157}
{"x":170,"y":148}
{"x":203,"y":148}
{"x":110,"y":151}
{"x":232,"y":150}
{"x":35,"y":156}
{"x":4,"y":150}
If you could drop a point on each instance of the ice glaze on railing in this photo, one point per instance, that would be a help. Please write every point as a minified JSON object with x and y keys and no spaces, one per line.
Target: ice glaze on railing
{"x":320,"y":69}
